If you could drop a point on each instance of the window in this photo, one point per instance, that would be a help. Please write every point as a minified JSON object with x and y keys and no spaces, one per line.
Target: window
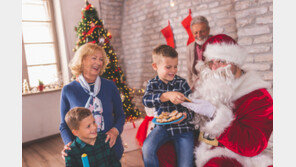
{"x":40,"y":54}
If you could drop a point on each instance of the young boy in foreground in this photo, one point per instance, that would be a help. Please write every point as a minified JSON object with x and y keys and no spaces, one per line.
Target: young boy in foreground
{"x":82,"y":124}
{"x":165,"y":92}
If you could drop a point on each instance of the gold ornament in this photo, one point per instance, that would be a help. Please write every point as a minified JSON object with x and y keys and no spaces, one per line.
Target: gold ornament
{"x":122,"y":97}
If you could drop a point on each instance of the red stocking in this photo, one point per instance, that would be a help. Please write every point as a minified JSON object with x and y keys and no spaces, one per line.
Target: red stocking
{"x":186,"y":24}
{"x":169,"y":36}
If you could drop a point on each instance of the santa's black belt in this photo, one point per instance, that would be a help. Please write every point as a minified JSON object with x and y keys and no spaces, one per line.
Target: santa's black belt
{"x":213,"y":142}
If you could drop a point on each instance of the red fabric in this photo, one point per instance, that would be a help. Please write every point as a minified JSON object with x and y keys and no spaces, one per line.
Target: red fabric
{"x":220,"y":162}
{"x":167,"y":155}
{"x":168,"y":34}
{"x":142,"y":130}
{"x":220,"y":38}
{"x":186,"y":24}
{"x":252,"y":125}
{"x":199,"y":52}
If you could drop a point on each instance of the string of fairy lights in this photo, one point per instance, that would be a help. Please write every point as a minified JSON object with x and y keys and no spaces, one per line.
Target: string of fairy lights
{"x":91,"y":30}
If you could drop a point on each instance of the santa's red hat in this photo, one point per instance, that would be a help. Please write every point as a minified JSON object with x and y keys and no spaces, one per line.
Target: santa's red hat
{"x":223,"y":47}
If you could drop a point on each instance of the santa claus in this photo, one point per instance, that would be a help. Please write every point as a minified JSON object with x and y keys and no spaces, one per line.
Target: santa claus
{"x":234,"y":111}
{"x":237,"y":132}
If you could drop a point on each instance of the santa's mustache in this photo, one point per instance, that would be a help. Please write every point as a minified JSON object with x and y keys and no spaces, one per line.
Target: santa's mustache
{"x":220,"y":73}
{"x":215,"y":86}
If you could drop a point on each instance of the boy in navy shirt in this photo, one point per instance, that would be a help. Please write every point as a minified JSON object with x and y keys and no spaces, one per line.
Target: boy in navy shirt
{"x":165,"y":92}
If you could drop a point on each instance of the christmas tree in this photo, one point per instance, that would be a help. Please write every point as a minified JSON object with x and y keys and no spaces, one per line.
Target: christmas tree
{"x":91,"y":30}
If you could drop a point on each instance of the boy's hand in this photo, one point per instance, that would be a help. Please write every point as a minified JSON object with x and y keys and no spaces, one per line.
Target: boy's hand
{"x":174,"y":97}
{"x":66,"y":147}
{"x":112,"y":136}
{"x":185,"y":116}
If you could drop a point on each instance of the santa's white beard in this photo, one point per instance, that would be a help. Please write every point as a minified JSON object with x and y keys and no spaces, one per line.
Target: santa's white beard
{"x":214,"y":86}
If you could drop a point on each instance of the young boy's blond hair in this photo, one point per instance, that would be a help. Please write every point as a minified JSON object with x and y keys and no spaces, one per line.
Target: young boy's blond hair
{"x":75,"y":115}
{"x":163,"y":51}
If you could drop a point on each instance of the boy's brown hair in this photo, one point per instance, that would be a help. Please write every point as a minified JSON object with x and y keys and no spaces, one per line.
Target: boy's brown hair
{"x":75,"y":115}
{"x":163,"y":51}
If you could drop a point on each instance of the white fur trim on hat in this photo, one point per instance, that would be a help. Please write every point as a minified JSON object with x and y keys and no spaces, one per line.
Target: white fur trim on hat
{"x":231,"y":53}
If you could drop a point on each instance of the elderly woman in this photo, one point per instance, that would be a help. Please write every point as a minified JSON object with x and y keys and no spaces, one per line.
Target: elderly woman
{"x":99,"y":95}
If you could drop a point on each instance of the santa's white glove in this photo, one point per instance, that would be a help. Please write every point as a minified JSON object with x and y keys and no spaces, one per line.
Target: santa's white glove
{"x":202,"y":107}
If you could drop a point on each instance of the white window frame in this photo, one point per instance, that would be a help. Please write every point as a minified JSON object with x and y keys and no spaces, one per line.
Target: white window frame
{"x":25,"y":74}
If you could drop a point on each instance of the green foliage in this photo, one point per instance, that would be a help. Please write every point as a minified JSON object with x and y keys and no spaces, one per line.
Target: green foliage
{"x":40,"y":82}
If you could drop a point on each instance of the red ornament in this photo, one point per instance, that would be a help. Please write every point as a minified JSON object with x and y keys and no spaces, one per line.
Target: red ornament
{"x":92,"y":24}
{"x":114,"y":80}
{"x":82,"y":14}
{"x":88,"y":7}
{"x":92,"y":42}
{"x":109,"y":35}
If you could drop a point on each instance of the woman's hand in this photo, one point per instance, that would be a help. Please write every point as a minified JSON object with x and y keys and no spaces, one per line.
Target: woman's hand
{"x":66,"y":147}
{"x":112,"y":136}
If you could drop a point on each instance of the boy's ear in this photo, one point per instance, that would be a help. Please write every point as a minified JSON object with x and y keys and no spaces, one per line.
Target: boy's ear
{"x":154,"y":66}
{"x":74,"y":131}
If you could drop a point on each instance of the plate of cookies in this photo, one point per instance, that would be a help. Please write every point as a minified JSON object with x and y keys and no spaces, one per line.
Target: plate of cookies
{"x":167,"y":118}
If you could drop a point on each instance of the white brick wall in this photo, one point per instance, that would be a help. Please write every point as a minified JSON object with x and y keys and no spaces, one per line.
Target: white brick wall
{"x":255,"y":32}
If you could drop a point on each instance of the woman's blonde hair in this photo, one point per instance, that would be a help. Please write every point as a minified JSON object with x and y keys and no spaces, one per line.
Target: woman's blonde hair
{"x":87,"y":49}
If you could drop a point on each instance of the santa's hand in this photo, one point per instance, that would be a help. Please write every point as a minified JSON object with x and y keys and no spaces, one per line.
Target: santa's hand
{"x":202,"y":107}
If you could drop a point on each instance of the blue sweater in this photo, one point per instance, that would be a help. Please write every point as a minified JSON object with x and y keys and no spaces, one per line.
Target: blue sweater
{"x":73,"y":95}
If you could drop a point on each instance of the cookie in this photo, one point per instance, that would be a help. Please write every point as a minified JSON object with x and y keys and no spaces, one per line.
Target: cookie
{"x":179,"y":115}
{"x":187,"y":100}
{"x":172,"y":118}
{"x":173,"y":113}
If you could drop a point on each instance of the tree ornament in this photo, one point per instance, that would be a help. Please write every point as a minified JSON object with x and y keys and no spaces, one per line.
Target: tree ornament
{"x":101,"y":40}
{"x":109,"y":35}
{"x":122,"y":97}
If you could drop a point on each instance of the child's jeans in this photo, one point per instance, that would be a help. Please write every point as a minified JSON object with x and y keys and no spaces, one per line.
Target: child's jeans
{"x":184,"y":145}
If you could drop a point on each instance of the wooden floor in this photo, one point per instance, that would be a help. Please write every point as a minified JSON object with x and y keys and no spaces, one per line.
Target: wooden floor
{"x":46,"y":153}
